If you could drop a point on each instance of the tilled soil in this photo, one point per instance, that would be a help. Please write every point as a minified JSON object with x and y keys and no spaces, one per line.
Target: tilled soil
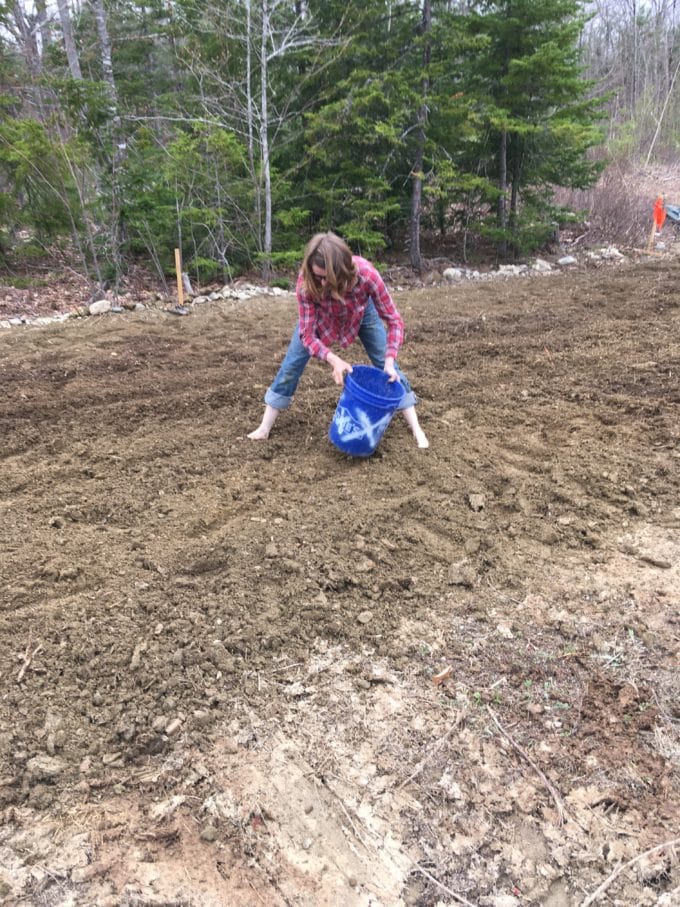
{"x":236,"y":672}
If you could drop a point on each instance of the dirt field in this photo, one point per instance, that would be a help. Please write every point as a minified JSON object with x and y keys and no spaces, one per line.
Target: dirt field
{"x":219,"y":658}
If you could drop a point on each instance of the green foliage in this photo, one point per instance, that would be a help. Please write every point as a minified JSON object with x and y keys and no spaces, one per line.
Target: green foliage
{"x":360,"y":96}
{"x":38,"y":189}
{"x":533,"y":102}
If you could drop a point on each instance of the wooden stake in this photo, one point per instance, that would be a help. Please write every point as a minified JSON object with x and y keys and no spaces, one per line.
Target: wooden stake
{"x":650,"y":242}
{"x":178,"y":268}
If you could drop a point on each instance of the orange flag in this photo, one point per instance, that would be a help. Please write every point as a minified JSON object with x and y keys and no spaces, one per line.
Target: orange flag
{"x":659,"y":212}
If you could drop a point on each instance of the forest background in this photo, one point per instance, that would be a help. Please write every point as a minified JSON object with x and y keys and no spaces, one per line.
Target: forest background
{"x":233,"y":130}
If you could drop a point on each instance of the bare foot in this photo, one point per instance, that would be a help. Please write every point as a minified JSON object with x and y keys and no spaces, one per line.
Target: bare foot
{"x":421,"y":438}
{"x":260,"y":434}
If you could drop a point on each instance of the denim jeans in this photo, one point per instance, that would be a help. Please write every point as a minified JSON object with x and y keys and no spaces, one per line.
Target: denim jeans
{"x":373,"y":336}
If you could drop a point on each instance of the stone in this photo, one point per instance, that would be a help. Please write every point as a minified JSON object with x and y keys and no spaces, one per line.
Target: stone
{"x":453,"y":275}
{"x":45,"y":768}
{"x":566,"y":260}
{"x":100,"y":307}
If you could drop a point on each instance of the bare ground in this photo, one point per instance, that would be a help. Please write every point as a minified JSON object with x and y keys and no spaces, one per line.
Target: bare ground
{"x":242,"y":673}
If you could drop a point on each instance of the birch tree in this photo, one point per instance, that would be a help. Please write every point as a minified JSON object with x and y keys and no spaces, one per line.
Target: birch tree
{"x":69,"y":41}
{"x":419,"y":159}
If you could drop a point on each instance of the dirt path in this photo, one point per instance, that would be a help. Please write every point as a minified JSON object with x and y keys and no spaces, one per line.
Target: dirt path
{"x":217,"y":656}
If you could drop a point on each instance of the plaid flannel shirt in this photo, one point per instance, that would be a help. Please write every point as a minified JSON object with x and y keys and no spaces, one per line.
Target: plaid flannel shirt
{"x":331,"y":321}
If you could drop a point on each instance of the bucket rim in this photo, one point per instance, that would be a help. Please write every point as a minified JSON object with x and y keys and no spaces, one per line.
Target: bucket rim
{"x":352,"y":382}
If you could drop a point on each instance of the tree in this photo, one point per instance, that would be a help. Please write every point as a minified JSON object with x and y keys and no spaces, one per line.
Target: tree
{"x":69,"y":40}
{"x":416,"y":173}
{"x":533,"y":102}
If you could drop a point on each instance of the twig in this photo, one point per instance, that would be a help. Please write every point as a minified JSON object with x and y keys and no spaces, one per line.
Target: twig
{"x":423,"y":762}
{"x":525,"y":755}
{"x":347,"y":815}
{"x":28,"y":659}
{"x":431,"y":878}
{"x":617,"y":872}
{"x":257,"y":893}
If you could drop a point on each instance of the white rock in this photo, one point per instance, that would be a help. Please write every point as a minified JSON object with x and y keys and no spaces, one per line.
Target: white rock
{"x":200,"y":299}
{"x":511,"y":270}
{"x":100,"y":307}
{"x":542,"y":266}
{"x":567,"y":260}
{"x":453,"y":275}
{"x":44,"y":768}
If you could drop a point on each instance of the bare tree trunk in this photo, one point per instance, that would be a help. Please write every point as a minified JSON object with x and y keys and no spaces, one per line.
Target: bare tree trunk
{"x":69,"y":42}
{"x":27,"y":35}
{"x":105,"y":50}
{"x":264,"y":143}
{"x":503,"y":188}
{"x":418,"y":162}
{"x":45,"y":36}
{"x":249,"y":120}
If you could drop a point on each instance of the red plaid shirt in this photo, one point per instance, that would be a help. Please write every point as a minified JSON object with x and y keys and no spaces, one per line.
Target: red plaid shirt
{"x":331,"y":321}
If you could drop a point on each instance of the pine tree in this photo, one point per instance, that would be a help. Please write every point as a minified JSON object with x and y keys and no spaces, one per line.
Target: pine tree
{"x":533,"y":103}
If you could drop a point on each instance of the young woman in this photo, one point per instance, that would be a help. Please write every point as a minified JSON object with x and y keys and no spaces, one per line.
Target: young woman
{"x":341,"y":297}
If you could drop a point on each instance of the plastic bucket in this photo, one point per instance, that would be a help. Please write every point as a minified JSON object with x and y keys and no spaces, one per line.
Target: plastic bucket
{"x":364,"y":410}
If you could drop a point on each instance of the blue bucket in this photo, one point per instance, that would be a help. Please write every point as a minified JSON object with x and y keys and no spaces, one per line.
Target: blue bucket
{"x":364,"y":410}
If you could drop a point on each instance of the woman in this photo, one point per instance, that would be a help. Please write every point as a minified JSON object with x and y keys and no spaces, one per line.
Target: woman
{"x":340,"y":297}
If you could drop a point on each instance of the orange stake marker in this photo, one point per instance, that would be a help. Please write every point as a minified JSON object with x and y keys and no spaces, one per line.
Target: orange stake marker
{"x":659,"y":213}
{"x":658,"y":217}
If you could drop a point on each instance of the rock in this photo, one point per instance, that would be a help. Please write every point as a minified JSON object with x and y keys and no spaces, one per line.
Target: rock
{"x":91,"y":871}
{"x":453,"y":275}
{"x":201,"y":717}
{"x":611,"y":253}
{"x":100,"y":307}
{"x":567,"y":260}
{"x":45,"y":768}
{"x":208,"y":833}
{"x":542,"y":266}
{"x":173,"y":727}
{"x":365,"y":617}
{"x":460,"y":574}
{"x":476,"y":502}
{"x":230,"y":746}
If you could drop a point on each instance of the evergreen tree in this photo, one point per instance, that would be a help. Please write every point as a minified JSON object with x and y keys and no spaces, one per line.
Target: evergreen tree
{"x":533,"y":103}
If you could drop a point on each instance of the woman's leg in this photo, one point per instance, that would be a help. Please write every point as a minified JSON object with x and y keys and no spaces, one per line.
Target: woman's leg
{"x":279,"y":394}
{"x":373,"y":336}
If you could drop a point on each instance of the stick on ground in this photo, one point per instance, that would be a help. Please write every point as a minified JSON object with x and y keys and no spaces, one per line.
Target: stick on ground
{"x":617,"y":872}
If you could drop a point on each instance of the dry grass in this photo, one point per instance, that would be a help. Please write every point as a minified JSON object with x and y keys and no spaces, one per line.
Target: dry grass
{"x":618,"y":209}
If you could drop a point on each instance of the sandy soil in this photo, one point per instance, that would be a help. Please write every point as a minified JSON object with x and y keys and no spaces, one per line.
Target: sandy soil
{"x":265,"y":673}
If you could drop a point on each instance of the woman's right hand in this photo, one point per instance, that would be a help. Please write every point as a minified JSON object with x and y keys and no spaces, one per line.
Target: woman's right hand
{"x":339,"y":366}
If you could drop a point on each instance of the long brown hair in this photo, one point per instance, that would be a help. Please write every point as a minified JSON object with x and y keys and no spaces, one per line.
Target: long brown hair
{"x":328,"y":251}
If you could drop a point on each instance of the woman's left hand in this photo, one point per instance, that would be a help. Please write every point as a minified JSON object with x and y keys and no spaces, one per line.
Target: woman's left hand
{"x":390,"y":369}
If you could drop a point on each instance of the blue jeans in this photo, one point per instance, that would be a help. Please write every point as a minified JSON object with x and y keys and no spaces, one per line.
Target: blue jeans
{"x":373,"y":336}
